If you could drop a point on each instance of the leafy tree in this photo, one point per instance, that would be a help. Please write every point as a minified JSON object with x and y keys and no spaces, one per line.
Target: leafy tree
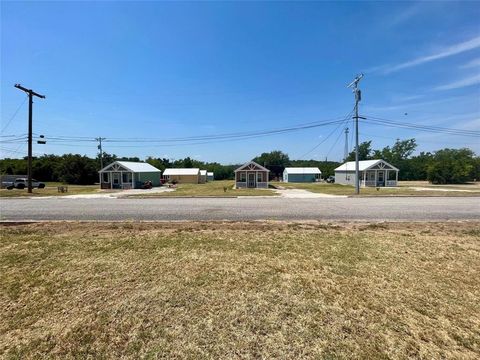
{"x":275,"y":161}
{"x":451,"y":166}
{"x":364,"y":152}
{"x":107,"y":159}
{"x":401,"y":150}
{"x":77,"y":169}
{"x":415,"y":168}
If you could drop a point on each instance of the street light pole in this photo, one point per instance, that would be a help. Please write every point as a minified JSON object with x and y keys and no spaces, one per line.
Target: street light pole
{"x":31,"y":94}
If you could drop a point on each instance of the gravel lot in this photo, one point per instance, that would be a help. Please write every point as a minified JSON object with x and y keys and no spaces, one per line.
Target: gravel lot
{"x":357,"y":209}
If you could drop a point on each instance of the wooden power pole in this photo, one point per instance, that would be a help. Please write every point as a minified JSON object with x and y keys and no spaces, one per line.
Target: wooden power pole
{"x":31,"y":94}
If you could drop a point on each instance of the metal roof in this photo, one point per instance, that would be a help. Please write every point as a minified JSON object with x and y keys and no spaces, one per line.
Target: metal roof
{"x":136,"y":167}
{"x":209,"y":173}
{"x":362,"y":165}
{"x":203,"y":172}
{"x":181,"y":171}
{"x":303,"y":170}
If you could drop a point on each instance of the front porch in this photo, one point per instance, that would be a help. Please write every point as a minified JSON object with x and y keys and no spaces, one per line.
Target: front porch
{"x":379,"y":178}
{"x":117,"y":180}
{"x":251,"y":179}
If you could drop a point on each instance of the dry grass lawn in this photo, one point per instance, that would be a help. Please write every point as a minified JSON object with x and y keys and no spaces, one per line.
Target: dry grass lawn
{"x":240,"y":290}
{"x":212,"y":188}
{"x":50,"y":191}
{"x":406,"y":188}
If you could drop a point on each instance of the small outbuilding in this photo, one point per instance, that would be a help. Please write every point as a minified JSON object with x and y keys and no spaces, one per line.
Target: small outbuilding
{"x":128,"y":175}
{"x":210,"y":176}
{"x":203,"y":177}
{"x":182,"y":175}
{"x":251,"y":175}
{"x":301,"y":174}
{"x":376,"y":173}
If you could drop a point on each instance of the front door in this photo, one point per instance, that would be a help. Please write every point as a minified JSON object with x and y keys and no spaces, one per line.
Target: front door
{"x":251,"y":180}
{"x":381,"y":178}
{"x":116,"y":180}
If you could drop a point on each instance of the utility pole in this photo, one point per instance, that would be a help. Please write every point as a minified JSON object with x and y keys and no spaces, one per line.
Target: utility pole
{"x":358,"y":97}
{"x":31,"y":94}
{"x":345,"y":153}
{"x":99,"y":139}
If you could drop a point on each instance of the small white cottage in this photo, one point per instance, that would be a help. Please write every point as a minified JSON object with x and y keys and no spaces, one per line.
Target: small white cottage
{"x":376,"y":173}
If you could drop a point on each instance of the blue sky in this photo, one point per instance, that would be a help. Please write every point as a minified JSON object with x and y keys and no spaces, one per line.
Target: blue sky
{"x":166,"y":70}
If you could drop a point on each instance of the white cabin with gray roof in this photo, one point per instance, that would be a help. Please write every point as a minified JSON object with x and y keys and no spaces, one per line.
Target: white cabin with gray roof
{"x":128,"y":175}
{"x":375,"y":173}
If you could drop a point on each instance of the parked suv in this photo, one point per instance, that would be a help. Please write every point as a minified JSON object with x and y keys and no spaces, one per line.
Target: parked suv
{"x":330,"y":179}
{"x":22,"y":183}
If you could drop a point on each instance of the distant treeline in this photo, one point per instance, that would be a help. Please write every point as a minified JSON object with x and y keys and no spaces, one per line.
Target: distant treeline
{"x":443,"y":166}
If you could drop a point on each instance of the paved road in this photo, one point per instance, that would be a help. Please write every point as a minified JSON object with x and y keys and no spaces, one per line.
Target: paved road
{"x":372,"y":209}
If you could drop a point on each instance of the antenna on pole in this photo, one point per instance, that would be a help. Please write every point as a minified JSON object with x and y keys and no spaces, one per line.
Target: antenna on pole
{"x":358,"y":97}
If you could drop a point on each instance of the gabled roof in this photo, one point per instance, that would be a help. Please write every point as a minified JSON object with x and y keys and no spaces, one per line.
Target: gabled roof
{"x":181,"y":171}
{"x":209,"y":173}
{"x":136,"y":167}
{"x":252,"y":165}
{"x":203,"y":172}
{"x":365,"y":165}
{"x":303,"y":170}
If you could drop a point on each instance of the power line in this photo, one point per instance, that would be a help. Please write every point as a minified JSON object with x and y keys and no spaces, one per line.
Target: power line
{"x":335,"y":143}
{"x":328,"y":136}
{"x":14,"y":114}
{"x":429,"y":128}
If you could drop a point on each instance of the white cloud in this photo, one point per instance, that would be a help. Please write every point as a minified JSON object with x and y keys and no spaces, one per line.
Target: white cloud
{"x":473,"y":80}
{"x":440,"y":54}
{"x":471,"y":64}
{"x":405,"y":15}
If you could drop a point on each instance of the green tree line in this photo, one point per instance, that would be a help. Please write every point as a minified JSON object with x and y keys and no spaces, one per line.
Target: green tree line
{"x":445,"y":166}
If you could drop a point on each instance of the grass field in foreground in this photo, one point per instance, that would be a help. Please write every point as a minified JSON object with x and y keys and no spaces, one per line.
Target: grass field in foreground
{"x":402,"y":190}
{"x":212,"y":188}
{"x":51,"y":191}
{"x":240,"y":290}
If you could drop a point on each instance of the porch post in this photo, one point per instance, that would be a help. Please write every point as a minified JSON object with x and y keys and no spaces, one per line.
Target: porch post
{"x":365,"y":178}
{"x":385,"y":180}
{"x":133,"y":176}
{"x":110,"y":174}
{"x":396,"y":177}
{"x":376,"y":177}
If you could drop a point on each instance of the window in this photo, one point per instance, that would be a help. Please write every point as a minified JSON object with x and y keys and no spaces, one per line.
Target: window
{"x":243,"y":176}
{"x":105,"y":177}
{"x":126,"y":177}
{"x":259,"y":177}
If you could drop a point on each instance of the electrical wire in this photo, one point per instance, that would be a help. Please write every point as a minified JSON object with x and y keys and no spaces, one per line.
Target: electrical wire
{"x":437,"y":129}
{"x":14,"y":114}
{"x":345,"y":119}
